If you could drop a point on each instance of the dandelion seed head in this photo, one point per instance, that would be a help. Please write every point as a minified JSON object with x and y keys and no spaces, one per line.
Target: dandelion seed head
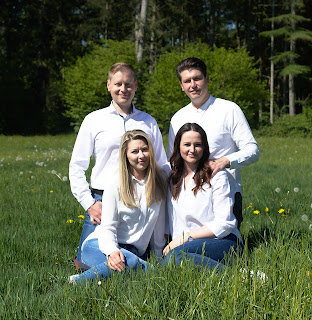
{"x":30,"y":172}
{"x":277,"y":190}
{"x":19,"y":158}
{"x":304,"y":217}
{"x":21,"y":173}
{"x":296,"y":189}
{"x":53,"y":172}
{"x":64,"y":178}
{"x":32,"y":177}
{"x":310,"y":227}
{"x":1,"y":165}
{"x":99,"y":282}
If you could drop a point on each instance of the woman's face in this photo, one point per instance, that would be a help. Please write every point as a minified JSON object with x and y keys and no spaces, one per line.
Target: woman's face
{"x":138,"y":157}
{"x":191,"y":148}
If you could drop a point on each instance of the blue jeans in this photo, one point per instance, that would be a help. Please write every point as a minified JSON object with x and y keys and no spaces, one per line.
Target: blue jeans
{"x":97,"y":260}
{"x":206,"y":252}
{"x":88,"y":227}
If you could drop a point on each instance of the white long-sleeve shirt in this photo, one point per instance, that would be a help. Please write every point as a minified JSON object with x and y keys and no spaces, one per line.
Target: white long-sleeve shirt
{"x":211,"y":207}
{"x":136,"y":226}
{"x":227,"y":130}
{"x":99,"y":135}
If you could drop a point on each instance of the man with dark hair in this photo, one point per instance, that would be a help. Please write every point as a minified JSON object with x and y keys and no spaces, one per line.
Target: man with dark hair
{"x":99,"y":136}
{"x":232,"y":145}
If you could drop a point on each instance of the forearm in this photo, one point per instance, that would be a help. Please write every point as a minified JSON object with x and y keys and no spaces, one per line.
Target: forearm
{"x":244,"y":157}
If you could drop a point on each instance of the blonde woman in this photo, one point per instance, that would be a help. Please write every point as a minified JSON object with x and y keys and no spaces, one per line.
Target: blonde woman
{"x":132,"y":213}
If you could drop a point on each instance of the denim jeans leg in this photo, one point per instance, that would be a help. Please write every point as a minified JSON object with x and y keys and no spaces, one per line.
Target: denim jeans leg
{"x":206,"y":251}
{"x":93,"y":256}
{"x":88,"y":228}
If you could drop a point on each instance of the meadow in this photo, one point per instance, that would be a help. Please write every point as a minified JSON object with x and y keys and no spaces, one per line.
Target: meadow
{"x":41,"y":224}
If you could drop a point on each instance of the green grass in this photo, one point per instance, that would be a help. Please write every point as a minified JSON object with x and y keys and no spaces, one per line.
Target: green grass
{"x":37,"y":244}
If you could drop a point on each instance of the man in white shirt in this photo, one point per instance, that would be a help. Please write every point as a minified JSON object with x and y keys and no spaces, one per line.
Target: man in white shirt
{"x":99,"y":136}
{"x":232,"y":145}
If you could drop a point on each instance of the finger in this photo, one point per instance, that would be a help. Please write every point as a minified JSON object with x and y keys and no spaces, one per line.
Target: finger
{"x":122,"y":257}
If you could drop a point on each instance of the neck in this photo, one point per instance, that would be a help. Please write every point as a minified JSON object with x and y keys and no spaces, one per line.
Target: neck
{"x":199,"y":103}
{"x":138,"y":175}
{"x":188,"y":170}
{"x":123,"y":110}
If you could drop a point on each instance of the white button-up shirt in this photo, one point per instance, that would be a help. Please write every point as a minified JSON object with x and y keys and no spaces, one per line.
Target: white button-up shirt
{"x":227,"y":130}
{"x":99,"y":135}
{"x":136,"y":226}
{"x":211,"y":207}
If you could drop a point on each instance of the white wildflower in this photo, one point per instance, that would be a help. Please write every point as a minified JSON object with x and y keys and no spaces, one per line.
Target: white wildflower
{"x":277,"y":190}
{"x":39,"y":164}
{"x":99,"y":282}
{"x":304,"y":217}
{"x":21,"y":173}
{"x":296,"y":189}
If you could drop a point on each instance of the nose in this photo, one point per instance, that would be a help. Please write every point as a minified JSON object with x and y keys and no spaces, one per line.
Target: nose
{"x":123,"y":87}
{"x":193,"y":83}
{"x":192,"y":148}
{"x":141,"y":154}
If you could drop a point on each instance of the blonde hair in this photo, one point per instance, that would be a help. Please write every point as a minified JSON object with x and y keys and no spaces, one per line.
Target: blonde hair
{"x":155,"y":185}
{"x":120,"y":66}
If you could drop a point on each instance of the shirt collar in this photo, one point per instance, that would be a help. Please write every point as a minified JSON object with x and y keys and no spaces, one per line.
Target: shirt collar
{"x":111,"y":109}
{"x":204,"y":107}
{"x":141,"y":182}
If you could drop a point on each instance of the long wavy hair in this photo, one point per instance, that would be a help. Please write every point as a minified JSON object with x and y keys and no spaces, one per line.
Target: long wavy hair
{"x":203,"y":172}
{"x":155,"y":185}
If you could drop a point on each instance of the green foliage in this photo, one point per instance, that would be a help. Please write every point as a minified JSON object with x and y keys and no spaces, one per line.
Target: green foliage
{"x":299,"y":125}
{"x":85,"y":81}
{"x":232,"y":74}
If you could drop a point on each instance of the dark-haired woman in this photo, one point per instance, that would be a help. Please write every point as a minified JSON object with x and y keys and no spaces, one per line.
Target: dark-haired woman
{"x":200,"y":207}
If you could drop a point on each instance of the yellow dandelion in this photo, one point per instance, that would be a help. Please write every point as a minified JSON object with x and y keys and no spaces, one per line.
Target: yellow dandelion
{"x":69,"y":221}
{"x":81,"y":216}
{"x":266,"y":209}
{"x":32,"y":190}
{"x":256,"y":212}
{"x":281,"y":210}
{"x":51,"y":191}
{"x":308,"y":273}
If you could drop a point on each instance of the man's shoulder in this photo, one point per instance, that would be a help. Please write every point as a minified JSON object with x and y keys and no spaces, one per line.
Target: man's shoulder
{"x":98,"y":113}
{"x":181,"y":113}
{"x":146,"y":117}
{"x":226,"y":104}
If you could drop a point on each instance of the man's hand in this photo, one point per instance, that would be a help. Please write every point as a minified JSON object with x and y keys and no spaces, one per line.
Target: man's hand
{"x":95,"y":212}
{"x":116,"y":261}
{"x":218,"y":165}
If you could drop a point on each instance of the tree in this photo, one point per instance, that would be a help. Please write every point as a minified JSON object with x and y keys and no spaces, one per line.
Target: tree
{"x":232,"y":74}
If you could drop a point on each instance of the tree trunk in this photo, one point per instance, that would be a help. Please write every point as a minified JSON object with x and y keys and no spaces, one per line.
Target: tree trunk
{"x":272,"y":69}
{"x":211,"y":24}
{"x":291,"y":80}
{"x":139,"y":30}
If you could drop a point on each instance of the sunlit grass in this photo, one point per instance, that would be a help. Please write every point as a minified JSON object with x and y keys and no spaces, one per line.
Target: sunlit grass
{"x":41,"y":224}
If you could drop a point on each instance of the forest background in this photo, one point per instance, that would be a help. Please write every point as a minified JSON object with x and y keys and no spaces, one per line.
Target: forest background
{"x":54,"y":57}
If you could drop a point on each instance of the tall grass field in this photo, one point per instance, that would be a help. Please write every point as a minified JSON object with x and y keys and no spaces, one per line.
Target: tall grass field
{"x":41,"y":224}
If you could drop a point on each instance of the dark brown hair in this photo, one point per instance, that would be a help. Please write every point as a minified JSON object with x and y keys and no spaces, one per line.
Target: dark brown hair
{"x":203,"y":172}
{"x":191,"y":63}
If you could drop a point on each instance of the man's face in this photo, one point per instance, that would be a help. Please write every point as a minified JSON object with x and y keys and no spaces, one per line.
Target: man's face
{"x":195,"y":85}
{"x":122,"y":87}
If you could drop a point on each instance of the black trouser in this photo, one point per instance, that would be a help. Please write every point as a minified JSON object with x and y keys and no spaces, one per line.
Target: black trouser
{"x":238,"y":208}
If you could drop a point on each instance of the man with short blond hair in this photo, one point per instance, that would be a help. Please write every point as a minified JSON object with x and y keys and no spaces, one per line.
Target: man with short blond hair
{"x":99,"y":136}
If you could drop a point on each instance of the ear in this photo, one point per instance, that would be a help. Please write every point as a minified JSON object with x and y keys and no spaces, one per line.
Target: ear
{"x":181,"y":86}
{"x":108,"y":85}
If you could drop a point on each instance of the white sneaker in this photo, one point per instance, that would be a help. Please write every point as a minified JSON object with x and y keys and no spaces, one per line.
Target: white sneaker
{"x":72,"y":279}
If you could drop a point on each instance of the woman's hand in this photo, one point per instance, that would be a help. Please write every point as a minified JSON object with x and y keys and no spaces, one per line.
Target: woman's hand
{"x":175,"y":243}
{"x":116,"y":261}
